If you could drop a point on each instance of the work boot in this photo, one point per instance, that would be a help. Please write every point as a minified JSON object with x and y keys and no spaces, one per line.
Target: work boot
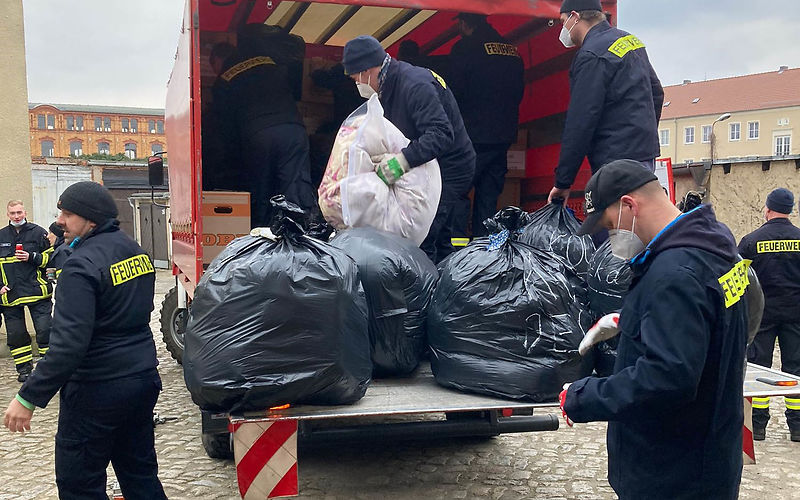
{"x":760,"y":434}
{"x":24,"y":370}
{"x":794,"y":435}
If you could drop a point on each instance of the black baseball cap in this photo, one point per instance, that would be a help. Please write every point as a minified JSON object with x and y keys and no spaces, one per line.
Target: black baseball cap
{"x":613,"y":181}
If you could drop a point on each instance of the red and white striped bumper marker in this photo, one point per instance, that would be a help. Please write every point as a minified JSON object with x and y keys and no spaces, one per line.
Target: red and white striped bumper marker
{"x":266,"y":458}
{"x":748,"y":447}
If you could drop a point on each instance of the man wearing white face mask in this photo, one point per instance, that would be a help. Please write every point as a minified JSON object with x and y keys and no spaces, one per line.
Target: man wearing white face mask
{"x":419,"y":103}
{"x":615,"y":96}
{"x":674,"y":401}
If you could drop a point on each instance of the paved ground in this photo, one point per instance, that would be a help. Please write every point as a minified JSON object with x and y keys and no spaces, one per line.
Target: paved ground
{"x":568,"y":463}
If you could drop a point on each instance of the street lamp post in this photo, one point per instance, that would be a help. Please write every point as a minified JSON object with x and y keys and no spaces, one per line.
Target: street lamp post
{"x":721,"y":118}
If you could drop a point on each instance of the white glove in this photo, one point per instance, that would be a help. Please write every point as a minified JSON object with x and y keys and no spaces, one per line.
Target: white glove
{"x":391,"y":167}
{"x":605,"y":328}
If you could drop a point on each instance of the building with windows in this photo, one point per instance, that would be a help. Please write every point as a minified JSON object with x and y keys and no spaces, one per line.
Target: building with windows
{"x":764,"y":111}
{"x":63,"y":130}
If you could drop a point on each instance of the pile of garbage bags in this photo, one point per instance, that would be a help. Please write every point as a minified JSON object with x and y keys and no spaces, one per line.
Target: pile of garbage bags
{"x":507,"y":318}
{"x":278,"y":318}
{"x":398,"y":280}
{"x":351,"y":193}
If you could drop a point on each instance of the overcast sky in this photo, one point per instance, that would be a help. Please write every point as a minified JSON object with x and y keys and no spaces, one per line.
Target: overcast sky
{"x":120,"y":52}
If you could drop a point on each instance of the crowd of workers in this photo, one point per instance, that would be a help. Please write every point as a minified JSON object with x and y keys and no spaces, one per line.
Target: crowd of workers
{"x":674,"y":399}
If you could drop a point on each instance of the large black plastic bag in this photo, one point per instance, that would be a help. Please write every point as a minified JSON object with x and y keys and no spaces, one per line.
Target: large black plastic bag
{"x":608,"y":281}
{"x":398,"y":279}
{"x":506,"y":318}
{"x":278,"y":321}
{"x":554,"y":228}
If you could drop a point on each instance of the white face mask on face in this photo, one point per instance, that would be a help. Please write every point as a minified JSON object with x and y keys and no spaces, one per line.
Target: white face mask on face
{"x":18,"y":224}
{"x":625,"y":244}
{"x":566,"y":40}
{"x":365,"y":89}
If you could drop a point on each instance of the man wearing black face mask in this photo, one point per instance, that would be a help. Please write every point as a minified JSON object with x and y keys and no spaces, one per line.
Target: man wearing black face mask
{"x":674,"y":401}
{"x":615,"y":96}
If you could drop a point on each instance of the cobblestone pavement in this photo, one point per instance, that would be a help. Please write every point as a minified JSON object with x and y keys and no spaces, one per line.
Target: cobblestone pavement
{"x":568,"y":463}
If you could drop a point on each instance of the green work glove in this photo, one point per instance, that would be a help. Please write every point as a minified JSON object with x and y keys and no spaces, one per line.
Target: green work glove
{"x":390,"y":167}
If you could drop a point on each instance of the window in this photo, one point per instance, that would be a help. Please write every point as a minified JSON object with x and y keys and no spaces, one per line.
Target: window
{"x":70,"y":123}
{"x":40,"y":122}
{"x":47,"y":148}
{"x":736,"y":131}
{"x":160,"y":126}
{"x":98,"y":124}
{"x":151,"y":126}
{"x":78,"y":123}
{"x":688,"y":135}
{"x":706,"y":133}
{"x":107,"y":124}
{"x":134,"y":125}
{"x":664,"y":137}
{"x":752,"y":130}
{"x":51,"y":122}
{"x":783,"y":145}
{"x":75,"y":148}
{"x":130,"y":150}
{"x":125,"y":123}
{"x":156,"y":148}
{"x":103,"y":148}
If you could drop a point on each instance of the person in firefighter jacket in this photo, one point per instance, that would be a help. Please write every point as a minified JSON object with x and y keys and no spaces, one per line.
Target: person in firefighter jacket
{"x":419,"y":103}
{"x":24,"y":254}
{"x":615,"y":96}
{"x":774,"y":249}
{"x":61,"y":251}
{"x":102,"y":356}
{"x":674,"y":402}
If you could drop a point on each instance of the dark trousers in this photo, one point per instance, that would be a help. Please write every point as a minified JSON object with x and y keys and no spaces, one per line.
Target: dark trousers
{"x":438,"y":244}
{"x":491,"y":166}
{"x":19,"y":341}
{"x":108,"y":421}
{"x":760,"y":353}
{"x":277,"y":162}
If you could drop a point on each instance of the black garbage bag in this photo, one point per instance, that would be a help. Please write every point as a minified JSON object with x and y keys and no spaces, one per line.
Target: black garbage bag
{"x":608,"y":281}
{"x":398,"y":279}
{"x":278,"y":320}
{"x":554,"y":228}
{"x":506,"y":318}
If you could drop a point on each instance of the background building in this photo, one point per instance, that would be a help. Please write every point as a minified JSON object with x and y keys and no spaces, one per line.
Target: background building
{"x":64,"y":130}
{"x":764,"y":109}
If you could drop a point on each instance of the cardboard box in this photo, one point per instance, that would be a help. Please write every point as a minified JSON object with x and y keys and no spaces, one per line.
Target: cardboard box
{"x":226,"y":216}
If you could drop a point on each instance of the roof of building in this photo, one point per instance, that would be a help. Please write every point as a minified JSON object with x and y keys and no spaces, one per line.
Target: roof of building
{"x":776,"y":89}
{"x":89,"y":108}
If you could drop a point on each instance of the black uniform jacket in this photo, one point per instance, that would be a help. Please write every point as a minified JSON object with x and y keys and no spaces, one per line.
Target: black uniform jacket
{"x":615,"y":104}
{"x":674,"y":402}
{"x":419,"y":103}
{"x":487,"y":78}
{"x":25,"y":279}
{"x":774,"y":249}
{"x":102,"y":312}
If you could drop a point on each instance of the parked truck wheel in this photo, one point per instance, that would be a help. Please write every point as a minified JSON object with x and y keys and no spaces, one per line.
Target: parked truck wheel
{"x":218,"y":445}
{"x":173,"y":324}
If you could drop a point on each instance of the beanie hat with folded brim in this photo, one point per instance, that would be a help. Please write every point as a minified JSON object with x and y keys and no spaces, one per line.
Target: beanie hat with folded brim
{"x":580,"y":5}
{"x":362,"y":53}
{"x":90,"y":200}
{"x":780,"y":200}
{"x":57,"y":230}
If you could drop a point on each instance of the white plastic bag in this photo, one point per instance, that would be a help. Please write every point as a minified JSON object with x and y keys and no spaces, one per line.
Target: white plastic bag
{"x":351,"y":193}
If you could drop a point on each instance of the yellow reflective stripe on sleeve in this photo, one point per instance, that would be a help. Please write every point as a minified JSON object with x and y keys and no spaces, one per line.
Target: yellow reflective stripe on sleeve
{"x":128,"y":269}
{"x":762,"y":403}
{"x":776,"y":246}
{"x":734,"y":282}
{"x":244,"y":66}
{"x":459,"y":242}
{"x":624,"y":45}
{"x":438,"y":79}
{"x":792,"y":403}
{"x":24,"y":359}
{"x":21,"y":350}
{"x":46,"y":257}
{"x":43,"y":350}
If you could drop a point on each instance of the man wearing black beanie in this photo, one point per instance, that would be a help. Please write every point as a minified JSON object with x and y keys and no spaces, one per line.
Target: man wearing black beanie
{"x":774,"y":249}
{"x":102,"y":357}
{"x":615,"y":96}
